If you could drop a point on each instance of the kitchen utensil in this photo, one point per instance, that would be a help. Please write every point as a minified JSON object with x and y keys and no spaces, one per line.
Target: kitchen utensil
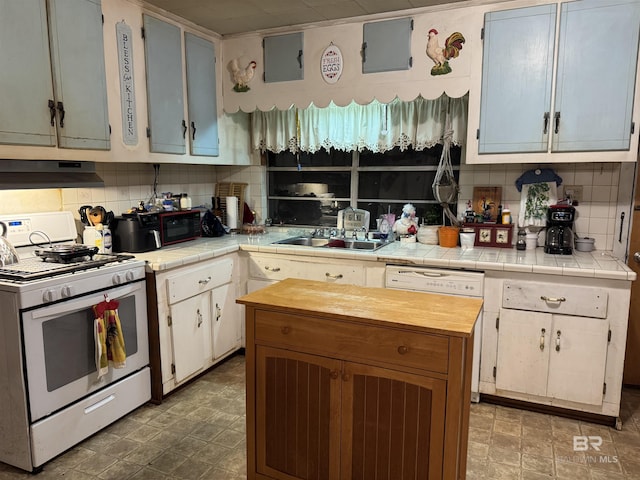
{"x":8,"y":254}
{"x":84,"y":214}
{"x":97,"y":215}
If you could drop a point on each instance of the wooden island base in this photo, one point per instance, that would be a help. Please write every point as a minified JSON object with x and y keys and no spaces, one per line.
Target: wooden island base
{"x":348,"y":382}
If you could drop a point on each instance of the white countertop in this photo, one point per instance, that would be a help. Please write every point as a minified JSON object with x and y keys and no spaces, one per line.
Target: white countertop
{"x":596,"y":264}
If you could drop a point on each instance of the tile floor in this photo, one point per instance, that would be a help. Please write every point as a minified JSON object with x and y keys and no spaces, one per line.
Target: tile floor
{"x":199,"y":433}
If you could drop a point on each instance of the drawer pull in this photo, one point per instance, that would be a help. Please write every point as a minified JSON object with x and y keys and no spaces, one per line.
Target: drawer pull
{"x":403,"y":349}
{"x":334,"y":374}
{"x":285,"y":330}
{"x":205,"y":281}
{"x":558,"y":341}
{"x":542,"y":332}
{"x":553,"y":299}
{"x":333,"y":275}
{"x":272,"y":269}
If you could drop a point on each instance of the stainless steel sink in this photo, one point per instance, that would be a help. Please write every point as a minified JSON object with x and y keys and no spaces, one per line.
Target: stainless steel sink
{"x":304,"y":241}
{"x":370,"y":245}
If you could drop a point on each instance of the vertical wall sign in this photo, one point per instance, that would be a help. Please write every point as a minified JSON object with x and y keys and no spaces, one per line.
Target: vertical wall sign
{"x":127,"y":90}
{"x":331,"y":64}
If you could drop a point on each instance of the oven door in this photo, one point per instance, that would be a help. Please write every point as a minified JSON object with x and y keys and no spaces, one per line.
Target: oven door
{"x":60,"y":347}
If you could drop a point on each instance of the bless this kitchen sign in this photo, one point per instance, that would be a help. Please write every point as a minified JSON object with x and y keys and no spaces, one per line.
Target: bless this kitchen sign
{"x":127,"y":87}
{"x":331,"y":64}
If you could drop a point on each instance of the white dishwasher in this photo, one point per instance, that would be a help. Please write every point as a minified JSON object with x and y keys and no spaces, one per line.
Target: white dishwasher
{"x":445,"y":282}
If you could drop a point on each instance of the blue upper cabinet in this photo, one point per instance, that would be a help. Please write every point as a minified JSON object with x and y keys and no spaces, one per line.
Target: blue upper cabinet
{"x":597,"y":57}
{"x":386,"y":45}
{"x":283,"y":57}
{"x":165,"y":91}
{"x":201,"y":95}
{"x":71,"y":111}
{"x":592,"y":104}
{"x":517,"y":74}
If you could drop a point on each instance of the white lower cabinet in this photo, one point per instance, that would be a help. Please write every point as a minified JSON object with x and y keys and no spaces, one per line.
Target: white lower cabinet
{"x":555,"y":356}
{"x":198,"y":319}
{"x":555,"y":340}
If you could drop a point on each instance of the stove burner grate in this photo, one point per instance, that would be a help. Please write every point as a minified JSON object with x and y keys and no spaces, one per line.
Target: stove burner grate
{"x":66,"y":253}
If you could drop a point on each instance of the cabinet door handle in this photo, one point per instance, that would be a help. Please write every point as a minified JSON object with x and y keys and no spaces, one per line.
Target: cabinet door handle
{"x":184,"y":129}
{"x":346,"y":377}
{"x":364,"y":52}
{"x":546,"y":122}
{"x":52,"y":111}
{"x":205,"y":281}
{"x":558,"y":341}
{"x":199,"y":316}
{"x":193,"y":131}
{"x":334,"y":374}
{"x":272,"y":269}
{"x":333,"y":275}
{"x":557,"y":122}
{"x":542,"y":332}
{"x":300,"y":58}
{"x":285,"y":330}
{"x":218,"y":312}
{"x":61,"y":110}
{"x":553,"y":299}
{"x":403,"y":349}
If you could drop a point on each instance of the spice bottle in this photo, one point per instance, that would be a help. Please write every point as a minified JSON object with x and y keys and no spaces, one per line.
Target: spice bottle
{"x":506,"y":216}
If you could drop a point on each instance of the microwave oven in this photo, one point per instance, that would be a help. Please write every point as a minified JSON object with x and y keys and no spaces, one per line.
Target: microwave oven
{"x":179,"y":226}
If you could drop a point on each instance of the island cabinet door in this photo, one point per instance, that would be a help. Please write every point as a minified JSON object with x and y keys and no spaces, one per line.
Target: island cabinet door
{"x":392,"y":424}
{"x":297,"y":415}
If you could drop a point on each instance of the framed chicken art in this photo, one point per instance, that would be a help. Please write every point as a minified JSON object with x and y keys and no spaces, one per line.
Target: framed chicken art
{"x":441,"y":54}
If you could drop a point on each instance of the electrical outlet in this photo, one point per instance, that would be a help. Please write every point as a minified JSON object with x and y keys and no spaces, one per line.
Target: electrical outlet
{"x":573,"y":192}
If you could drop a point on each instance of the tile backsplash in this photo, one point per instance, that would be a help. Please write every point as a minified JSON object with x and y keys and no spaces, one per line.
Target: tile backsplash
{"x":127,"y":184}
{"x":595,"y":213}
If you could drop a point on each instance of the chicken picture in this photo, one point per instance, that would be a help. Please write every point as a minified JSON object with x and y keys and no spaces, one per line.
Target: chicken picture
{"x":441,"y":55}
{"x":241,"y":76}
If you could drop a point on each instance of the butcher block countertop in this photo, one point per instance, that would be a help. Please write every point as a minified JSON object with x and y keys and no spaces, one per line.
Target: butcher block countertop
{"x":423,"y":312}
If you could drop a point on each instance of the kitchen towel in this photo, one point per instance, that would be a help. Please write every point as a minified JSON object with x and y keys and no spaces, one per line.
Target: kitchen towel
{"x":534,"y":202}
{"x":232,"y":212}
{"x":109,"y":338}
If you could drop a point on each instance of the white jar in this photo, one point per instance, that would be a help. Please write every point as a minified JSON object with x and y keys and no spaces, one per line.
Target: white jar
{"x":89,"y":236}
{"x":531,"y":240}
{"x":185,"y":202}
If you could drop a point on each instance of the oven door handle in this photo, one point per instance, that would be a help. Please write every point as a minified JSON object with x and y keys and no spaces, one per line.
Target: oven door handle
{"x":88,"y":301}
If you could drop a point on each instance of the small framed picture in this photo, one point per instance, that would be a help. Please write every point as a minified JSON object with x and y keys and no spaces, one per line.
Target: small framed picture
{"x":484,"y":235}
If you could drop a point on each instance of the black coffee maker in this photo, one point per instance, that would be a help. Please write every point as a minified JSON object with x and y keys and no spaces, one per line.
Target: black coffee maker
{"x":559,"y":238}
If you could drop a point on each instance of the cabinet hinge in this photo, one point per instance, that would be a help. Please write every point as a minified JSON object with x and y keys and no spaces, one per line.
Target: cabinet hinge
{"x":604,"y":388}
{"x":102,"y":20}
{"x":478,"y":134}
{"x":494,"y":371}
{"x":264,"y":76}
{"x":633,"y":127}
{"x":173,"y":368}
{"x":410,"y":62}
{"x":498,"y":322}
{"x":142,"y":32}
{"x":482,"y":33}
{"x":169,"y":321}
{"x":109,"y":129}
{"x":411,"y":24}
{"x":148,"y":132}
{"x":609,"y":336}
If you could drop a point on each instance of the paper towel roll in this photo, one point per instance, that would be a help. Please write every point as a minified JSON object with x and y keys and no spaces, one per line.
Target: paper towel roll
{"x":232,"y":212}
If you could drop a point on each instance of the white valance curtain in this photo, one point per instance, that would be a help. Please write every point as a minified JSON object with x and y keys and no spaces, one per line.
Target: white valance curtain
{"x":376,"y":126}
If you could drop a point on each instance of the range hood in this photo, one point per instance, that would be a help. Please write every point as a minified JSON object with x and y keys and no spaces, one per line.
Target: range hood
{"x":19,"y":174}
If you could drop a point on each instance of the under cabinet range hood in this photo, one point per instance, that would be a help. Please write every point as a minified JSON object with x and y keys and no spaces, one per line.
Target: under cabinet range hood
{"x":19,"y":174}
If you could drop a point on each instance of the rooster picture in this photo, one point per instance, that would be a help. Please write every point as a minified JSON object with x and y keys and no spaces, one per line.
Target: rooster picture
{"x":441,"y":55}
{"x":241,"y":77}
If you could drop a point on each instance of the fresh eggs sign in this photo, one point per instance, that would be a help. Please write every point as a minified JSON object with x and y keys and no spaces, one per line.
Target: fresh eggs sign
{"x":331,"y":64}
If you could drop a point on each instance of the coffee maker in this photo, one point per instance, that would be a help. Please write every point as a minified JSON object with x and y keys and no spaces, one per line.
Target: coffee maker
{"x":559,"y":238}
